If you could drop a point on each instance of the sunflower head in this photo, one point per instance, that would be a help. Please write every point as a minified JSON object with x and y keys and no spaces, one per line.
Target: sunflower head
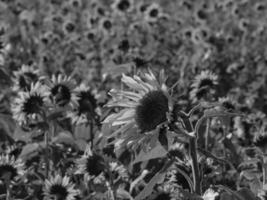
{"x":227,"y":104}
{"x":145,"y":106}
{"x":92,"y":165}
{"x":153,"y":12}
{"x":60,"y":188}
{"x":61,"y":89}
{"x":87,"y":105}
{"x":116,"y":172}
{"x":10,"y":168}
{"x":203,"y":85}
{"x":122,"y":6}
{"x":24,"y":77}
{"x":31,"y":104}
{"x":106,"y":25}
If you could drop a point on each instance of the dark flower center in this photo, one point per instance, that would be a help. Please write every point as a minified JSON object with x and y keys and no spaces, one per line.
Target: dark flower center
{"x":261,"y":141}
{"x":107,"y":24}
{"x":154,"y":13}
{"x":7,"y":171}
{"x":61,"y":94}
{"x":33,"y":105}
{"x":151,"y":111}
{"x":26,"y":79}
{"x":163,"y":196}
{"x":124,"y":45}
{"x":59,"y":191}
{"x":206,"y":82}
{"x":95,"y":165}
{"x":123,"y":5}
{"x":87,"y":103}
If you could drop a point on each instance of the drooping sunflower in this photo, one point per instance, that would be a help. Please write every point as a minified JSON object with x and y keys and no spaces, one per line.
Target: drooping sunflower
{"x":24,"y":77}
{"x":145,"y":107}
{"x":10,"y":168}
{"x":30,"y":105}
{"x":87,"y":108}
{"x":203,"y":85}
{"x":92,"y":165}
{"x":227,"y":103}
{"x":60,"y":188}
{"x":61,"y":89}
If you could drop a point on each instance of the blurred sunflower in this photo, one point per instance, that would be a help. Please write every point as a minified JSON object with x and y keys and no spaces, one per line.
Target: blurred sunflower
{"x":106,"y":26}
{"x":61,"y":90}
{"x":153,"y":12}
{"x":227,"y":103}
{"x":203,"y":85}
{"x":92,"y":165}
{"x":30,"y":105}
{"x":147,"y":106}
{"x":87,"y":106}
{"x":122,"y":6}
{"x":60,"y":188}
{"x":24,"y":77}
{"x":10,"y":168}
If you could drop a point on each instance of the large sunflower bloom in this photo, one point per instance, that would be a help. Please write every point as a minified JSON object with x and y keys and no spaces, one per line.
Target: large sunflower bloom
{"x":30,"y":105}
{"x":61,"y":90}
{"x":144,"y":108}
{"x":60,"y":188}
{"x":10,"y":168}
{"x":24,"y":77}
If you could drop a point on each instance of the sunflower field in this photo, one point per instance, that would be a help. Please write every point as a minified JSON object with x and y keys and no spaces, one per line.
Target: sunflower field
{"x":133,"y":100}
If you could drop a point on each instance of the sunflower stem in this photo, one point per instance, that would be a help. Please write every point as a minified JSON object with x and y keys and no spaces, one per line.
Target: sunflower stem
{"x":207,"y":135}
{"x":8,"y":196}
{"x":46,"y":154}
{"x":193,"y":155}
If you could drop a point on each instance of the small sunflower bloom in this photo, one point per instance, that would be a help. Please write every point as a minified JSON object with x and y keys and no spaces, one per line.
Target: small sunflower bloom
{"x":24,"y":77}
{"x":122,"y":6}
{"x":227,"y":103}
{"x":116,"y":172}
{"x":61,"y":89}
{"x":30,"y":105}
{"x":87,"y":108}
{"x":60,"y":188}
{"x":11,"y":169}
{"x":203,"y":85}
{"x":145,"y":107}
{"x":106,"y":26}
{"x":153,"y":12}
{"x":92,"y":165}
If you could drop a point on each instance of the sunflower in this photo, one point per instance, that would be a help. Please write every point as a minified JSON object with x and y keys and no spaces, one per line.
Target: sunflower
{"x":87,"y":106}
{"x":203,"y":85}
{"x":30,"y":105}
{"x":106,"y":26}
{"x":24,"y":77}
{"x":10,"y":168}
{"x":147,"y":106}
{"x":122,"y":6}
{"x":92,"y":165}
{"x":227,"y":103}
{"x":153,"y":12}
{"x":116,"y":172}
{"x":60,"y":188}
{"x":61,"y":89}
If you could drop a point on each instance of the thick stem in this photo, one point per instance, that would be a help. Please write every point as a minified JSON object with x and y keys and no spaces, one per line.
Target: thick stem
{"x":264,"y":172}
{"x":193,"y":155}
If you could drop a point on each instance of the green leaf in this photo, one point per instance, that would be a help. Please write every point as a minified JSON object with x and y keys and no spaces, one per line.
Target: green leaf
{"x":30,"y":150}
{"x":156,"y":152}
